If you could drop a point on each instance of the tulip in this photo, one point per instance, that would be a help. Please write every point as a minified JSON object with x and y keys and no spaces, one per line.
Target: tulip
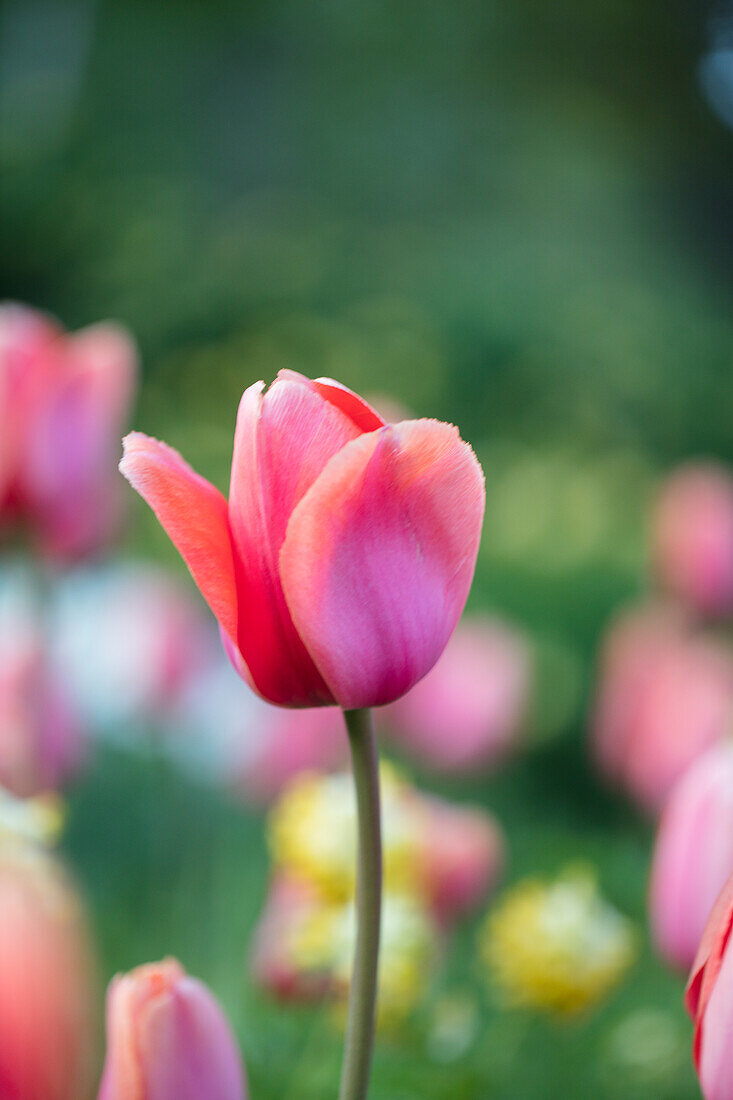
{"x":65,"y":398}
{"x":168,"y":1039}
{"x":342,"y":561}
{"x":467,"y":712}
{"x":709,"y":1000}
{"x":692,"y":537}
{"x":693,"y":855}
{"x":46,"y":981}
{"x":665,"y":695}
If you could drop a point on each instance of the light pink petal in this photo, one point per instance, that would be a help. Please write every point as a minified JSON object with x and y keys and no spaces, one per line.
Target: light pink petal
{"x":193,"y":513}
{"x":283,"y":441}
{"x":379,"y":557}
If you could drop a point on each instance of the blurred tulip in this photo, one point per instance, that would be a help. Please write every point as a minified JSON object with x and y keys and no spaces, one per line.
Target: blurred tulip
{"x":709,"y":1000}
{"x":692,"y":537}
{"x":693,"y":856}
{"x":168,"y":1039}
{"x":42,"y":741}
{"x":664,"y":695}
{"x":128,"y":639}
{"x":326,"y":504}
{"x":65,"y":399}
{"x":556,"y":945}
{"x":467,"y":713}
{"x":46,"y":983}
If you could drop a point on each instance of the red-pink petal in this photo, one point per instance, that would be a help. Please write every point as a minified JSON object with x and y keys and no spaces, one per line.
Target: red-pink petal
{"x":194,"y":514}
{"x":379,"y":557}
{"x":283,"y":440}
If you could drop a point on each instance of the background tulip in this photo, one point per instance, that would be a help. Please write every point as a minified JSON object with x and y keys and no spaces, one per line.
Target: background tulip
{"x":692,"y":537}
{"x":325,"y":503}
{"x":46,"y":985}
{"x":709,"y":1000}
{"x":168,"y":1039}
{"x":665,"y":694}
{"x":468,"y":711}
{"x":693,"y":856}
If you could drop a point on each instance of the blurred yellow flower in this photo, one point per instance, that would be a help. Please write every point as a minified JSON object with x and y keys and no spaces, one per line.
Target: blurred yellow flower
{"x":312,"y":833}
{"x":36,"y":820}
{"x":556,"y":945}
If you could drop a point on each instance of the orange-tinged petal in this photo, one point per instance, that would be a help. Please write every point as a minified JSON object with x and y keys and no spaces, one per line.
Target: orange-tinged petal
{"x":379,"y":556}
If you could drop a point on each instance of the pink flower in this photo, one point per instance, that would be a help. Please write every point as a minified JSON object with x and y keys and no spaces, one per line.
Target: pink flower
{"x":340,"y":566}
{"x":291,"y":902}
{"x":468,"y":711}
{"x":665,"y":695}
{"x":692,"y":537}
{"x":168,"y":1039}
{"x":462,"y":856}
{"x":693,"y":856}
{"x":709,"y":1000}
{"x":46,"y":981}
{"x":64,"y":400}
{"x":289,"y":742}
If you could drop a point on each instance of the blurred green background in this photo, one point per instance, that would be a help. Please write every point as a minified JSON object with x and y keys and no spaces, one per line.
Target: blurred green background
{"x":509,"y":215}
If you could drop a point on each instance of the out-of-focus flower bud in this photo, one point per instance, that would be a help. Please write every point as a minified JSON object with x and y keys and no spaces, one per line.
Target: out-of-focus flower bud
{"x":467,"y":713}
{"x":664,"y":696}
{"x":168,"y":1039}
{"x":709,"y":1000}
{"x":692,"y":537}
{"x":46,"y":985}
{"x":556,"y":945}
{"x":693,"y":857}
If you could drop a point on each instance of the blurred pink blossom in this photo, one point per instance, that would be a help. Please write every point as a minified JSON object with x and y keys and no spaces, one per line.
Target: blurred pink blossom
{"x":468,"y":711}
{"x":692,"y":537}
{"x":64,"y":400}
{"x":47,"y":1006}
{"x":168,"y":1039}
{"x":693,"y":855}
{"x":665,"y":694}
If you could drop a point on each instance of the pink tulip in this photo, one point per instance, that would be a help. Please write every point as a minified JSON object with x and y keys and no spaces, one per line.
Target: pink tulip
{"x":46,"y":982}
{"x":65,"y":399}
{"x":289,"y":742}
{"x":467,"y":713}
{"x":692,"y":537}
{"x":665,"y":695}
{"x":340,"y":566}
{"x":168,"y":1039}
{"x":462,"y":857}
{"x":709,"y":1000}
{"x":693,"y":856}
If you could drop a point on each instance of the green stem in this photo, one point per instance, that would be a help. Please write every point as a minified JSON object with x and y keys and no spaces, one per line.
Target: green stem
{"x":360,"y":1021}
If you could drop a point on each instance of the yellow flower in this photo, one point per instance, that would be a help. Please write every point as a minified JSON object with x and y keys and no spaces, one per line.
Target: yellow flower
{"x":556,"y":945}
{"x":30,"y":820}
{"x":312,"y":833}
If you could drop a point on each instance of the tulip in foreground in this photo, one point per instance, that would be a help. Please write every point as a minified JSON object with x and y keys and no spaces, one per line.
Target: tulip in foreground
{"x":168,"y":1039}
{"x":693,"y":855}
{"x":709,"y":1000}
{"x":337,"y":570}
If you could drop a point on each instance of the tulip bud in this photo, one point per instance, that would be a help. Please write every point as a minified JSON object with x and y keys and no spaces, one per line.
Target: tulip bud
{"x":168,"y":1039}
{"x":709,"y":1000}
{"x":46,"y":987}
{"x":693,"y":855}
{"x":692,"y":537}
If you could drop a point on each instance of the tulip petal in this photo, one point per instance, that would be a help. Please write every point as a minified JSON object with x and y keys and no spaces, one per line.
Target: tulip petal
{"x":713,"y":1056}
{"x":379,"y":556}
{"x":194,"y":514}
{"x":282,"y":443}
{"x":356,"y":408}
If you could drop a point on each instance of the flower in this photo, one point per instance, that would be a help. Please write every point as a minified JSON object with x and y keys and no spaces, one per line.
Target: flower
{"x":693,"y":855}
{"x":692,"y":537}
{"x":46,"y":980}
{"x":665,"y":694}
{"x":709,"y":1000}
{"x":168,"y":1039}
{"x":468,"y":711}
{"x":556,"y":945}
{"x":64,"y":399}
{"x":342,"y":561}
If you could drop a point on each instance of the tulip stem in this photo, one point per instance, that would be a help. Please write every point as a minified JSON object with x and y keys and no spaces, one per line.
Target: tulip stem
{"x":360,"y":1021}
